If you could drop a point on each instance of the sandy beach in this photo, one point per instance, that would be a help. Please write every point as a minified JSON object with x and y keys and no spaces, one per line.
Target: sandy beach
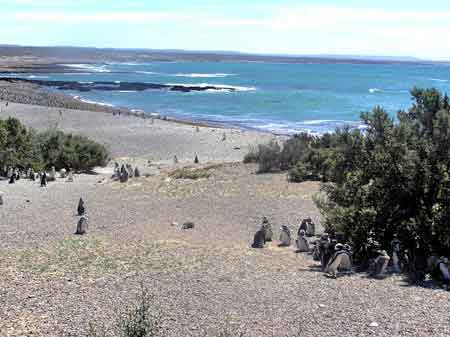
{"x":55,"y":283}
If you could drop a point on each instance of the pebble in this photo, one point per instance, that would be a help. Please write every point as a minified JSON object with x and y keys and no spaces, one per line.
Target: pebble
{"x":374,"y":325}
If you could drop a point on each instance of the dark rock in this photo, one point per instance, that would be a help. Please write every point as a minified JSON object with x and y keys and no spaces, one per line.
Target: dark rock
{"x":188,"y":225}
{"x":113,"y":86}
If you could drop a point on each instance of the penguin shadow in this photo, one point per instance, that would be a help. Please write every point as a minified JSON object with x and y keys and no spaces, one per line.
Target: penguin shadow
{"x":308,"y":253}
{"x":319,"y":269}
{"x":428,"y":283}
{"x":339,"y":275}
{"x":312,"y":269}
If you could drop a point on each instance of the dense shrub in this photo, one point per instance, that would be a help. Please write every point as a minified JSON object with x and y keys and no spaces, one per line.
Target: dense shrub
{"x":298,"y":173}
{"x":69,"y":151}
{"x":22,"y":147}
{"x":396,"y":181}
{"x":268,"y":157}
{"x":390,"y":180}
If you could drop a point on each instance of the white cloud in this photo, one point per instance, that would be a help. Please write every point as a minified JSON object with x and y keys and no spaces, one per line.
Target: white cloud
{"x":289,"y":29}
{"x":68,"y":17}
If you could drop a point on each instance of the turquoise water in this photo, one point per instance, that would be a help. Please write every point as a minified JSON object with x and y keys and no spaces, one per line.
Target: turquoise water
{"x":282,"y":98}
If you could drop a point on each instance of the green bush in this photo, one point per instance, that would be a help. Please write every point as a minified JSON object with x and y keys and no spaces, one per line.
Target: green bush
{"x":69,"y":151}
{"x":390,"y":180}
{"x":269,"y":157}
{"x":395,"y":182}
{"x":251,"y":156}
{"x":298,"y":173}
{"x":24,"y":148}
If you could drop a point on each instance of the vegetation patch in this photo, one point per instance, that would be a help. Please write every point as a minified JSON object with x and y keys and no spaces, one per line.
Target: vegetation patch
{"x":389,"y":180}
{"x":190,"y":173}
{"x":26,"y":148}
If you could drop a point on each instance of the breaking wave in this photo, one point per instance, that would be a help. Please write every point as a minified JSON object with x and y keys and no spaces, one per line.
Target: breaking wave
{"x":91,"y":67}
{"x":439,"y":80}
{"x":197,"y":75}
{"x":81,"y":99}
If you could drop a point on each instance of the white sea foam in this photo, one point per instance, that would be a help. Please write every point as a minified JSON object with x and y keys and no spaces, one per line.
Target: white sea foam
{"x":91,"y":67}
{"x":218,"y":86}
{"x":92,"y":102}
{"x":36,"y":76}
{"x":197,"y":75}
{"x":374,"y":90}
{"x":438,"y":80}
{"x":146,"y":72}
{"x":214,"y":91}
{"x":77,"y":74}
{"x":127,"y":91}
{"x":127,"y":64}
{"x":312,"y":127}
{"x":319,"y":121}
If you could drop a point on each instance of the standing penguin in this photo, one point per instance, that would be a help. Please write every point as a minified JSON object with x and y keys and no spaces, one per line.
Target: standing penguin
{"x":12,"y":180}
{"x":81,"y":209}
{"x":302,"y":242}
{"x":267,"y":227}
{"x":285,"y":236}
{"x":259,"y":239}
{"x":44,"y":179}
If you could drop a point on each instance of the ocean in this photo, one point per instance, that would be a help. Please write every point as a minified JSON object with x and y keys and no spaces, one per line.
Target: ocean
{"x":279,"y":98}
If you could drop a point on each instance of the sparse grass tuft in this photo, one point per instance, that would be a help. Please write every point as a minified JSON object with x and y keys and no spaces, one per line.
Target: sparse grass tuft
{"x":140,"y":320}
{"x":190,"y":173}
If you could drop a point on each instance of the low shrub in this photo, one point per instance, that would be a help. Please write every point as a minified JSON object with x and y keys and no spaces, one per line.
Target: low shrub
{"x":251,"y":156}
{"x":23,"y":148}
{"x":70,"y":151}
{"x":269,"y":157}
{"x":298,"y":173}
{"x":142,"y":319}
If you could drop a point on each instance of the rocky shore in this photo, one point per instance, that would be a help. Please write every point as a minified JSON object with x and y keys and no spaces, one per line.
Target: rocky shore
{"x":18,"y":91}
{"x":115,"y":86}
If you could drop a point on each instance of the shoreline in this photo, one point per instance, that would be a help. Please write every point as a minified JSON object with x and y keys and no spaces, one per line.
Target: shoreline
{"x":66,"y":101}
{"x":265,"y":125}
{"x":143,"y":140}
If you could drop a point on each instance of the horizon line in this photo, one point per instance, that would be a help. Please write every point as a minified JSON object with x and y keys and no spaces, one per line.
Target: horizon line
{"x":368,"y":57}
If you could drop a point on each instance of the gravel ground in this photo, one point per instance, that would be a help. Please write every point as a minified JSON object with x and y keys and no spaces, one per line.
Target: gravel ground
{"x":54,"y":283}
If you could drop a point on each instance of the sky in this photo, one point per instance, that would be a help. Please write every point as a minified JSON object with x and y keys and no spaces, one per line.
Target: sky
{"x":346,"y":27}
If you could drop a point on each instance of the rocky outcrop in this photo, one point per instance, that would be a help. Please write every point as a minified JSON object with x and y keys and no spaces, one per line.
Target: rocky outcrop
{"x":117,"y":86}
